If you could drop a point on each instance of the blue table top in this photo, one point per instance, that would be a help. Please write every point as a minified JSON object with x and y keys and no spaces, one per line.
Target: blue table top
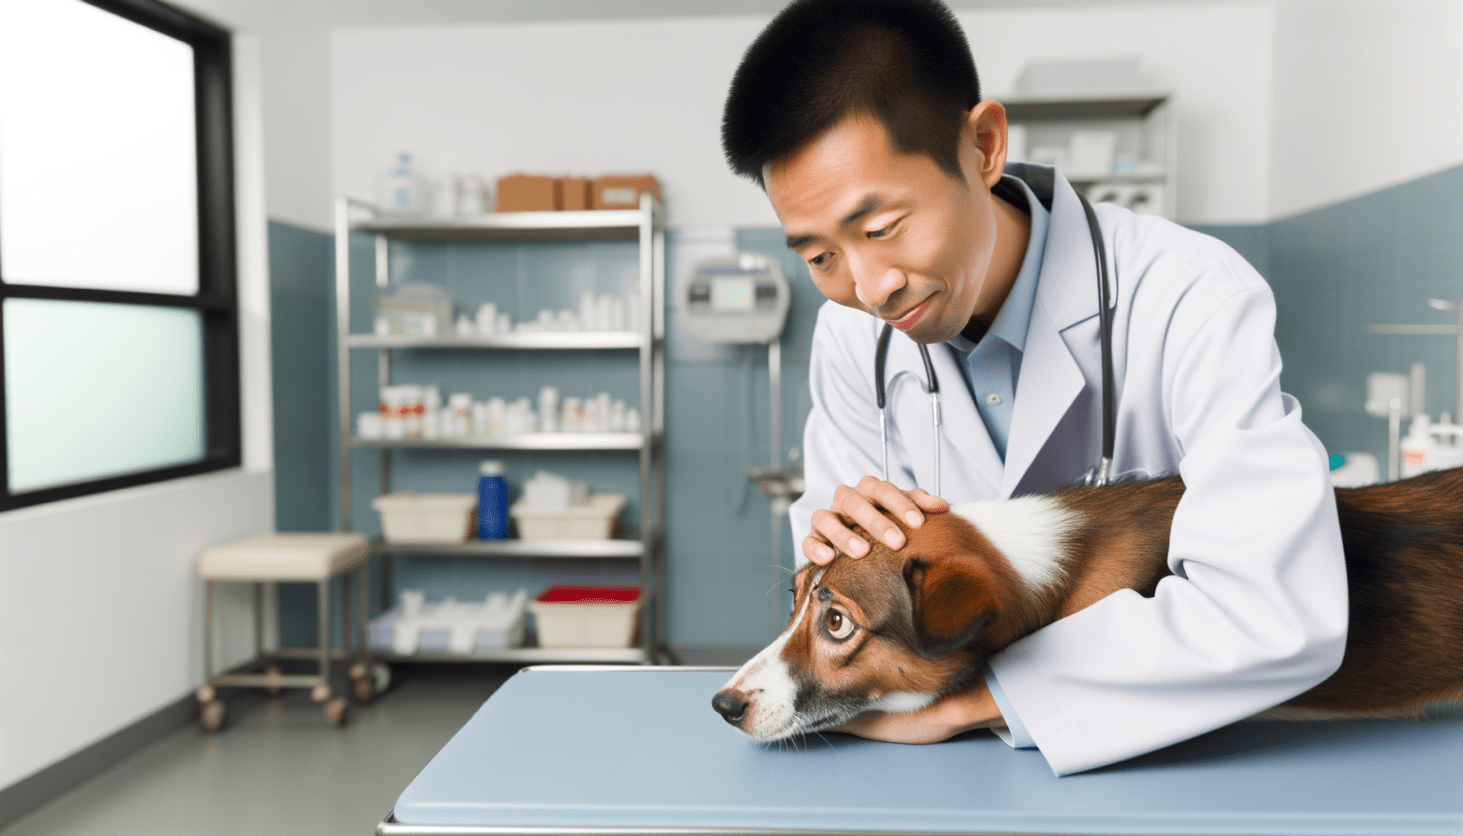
{"x":641,"y":748}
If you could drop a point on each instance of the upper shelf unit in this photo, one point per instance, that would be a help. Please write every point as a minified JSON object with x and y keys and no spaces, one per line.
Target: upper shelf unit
{"x":1117,"y":147}
{"x":592,"y":225}
{"x":568,"y":340}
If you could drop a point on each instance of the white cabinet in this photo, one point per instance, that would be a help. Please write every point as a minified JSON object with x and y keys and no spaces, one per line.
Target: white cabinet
{"x":646,"y":226}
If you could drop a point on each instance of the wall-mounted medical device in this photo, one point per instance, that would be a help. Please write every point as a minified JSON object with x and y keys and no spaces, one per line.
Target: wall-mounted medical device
{"x":741,"y":298}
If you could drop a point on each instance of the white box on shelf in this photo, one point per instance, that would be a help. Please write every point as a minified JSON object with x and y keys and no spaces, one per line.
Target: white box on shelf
{"x":408,"y":516}
{"x":586,"y":616}
{"x":595,"y":521}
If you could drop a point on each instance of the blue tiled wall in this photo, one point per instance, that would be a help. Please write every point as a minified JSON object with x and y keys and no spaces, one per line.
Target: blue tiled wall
{"x":1335,"y":270}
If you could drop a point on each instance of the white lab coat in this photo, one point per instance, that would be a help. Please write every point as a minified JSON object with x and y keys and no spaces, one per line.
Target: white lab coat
{"x":1256,"y":610}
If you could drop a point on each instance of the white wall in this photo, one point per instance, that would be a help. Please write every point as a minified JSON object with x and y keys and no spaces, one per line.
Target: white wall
{"x":1269,"y":95}
{"x":1215,"y":59}
{"x":295,"y":102}
{"x":638,"y":95}
{"x":1368,"y":94}
{"x":99,"y":611}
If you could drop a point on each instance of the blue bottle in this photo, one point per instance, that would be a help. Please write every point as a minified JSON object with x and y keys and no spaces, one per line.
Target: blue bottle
{"x":492,"y":502}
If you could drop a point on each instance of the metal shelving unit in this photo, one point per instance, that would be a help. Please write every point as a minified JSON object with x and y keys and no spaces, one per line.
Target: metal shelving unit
{"x":645,"y":225}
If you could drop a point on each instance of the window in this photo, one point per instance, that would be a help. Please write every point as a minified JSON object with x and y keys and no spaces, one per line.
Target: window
{"x":118,"y":315}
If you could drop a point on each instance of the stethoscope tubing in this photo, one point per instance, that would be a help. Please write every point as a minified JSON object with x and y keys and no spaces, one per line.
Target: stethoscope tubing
{"x":1109,"y":407}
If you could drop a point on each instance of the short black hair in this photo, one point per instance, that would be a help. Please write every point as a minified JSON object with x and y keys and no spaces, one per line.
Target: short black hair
{"x":904,"y":62}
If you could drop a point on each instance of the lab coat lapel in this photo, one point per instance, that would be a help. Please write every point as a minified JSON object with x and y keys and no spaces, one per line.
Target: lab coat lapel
{"x":962,"y":427}
{"x":1050,"y":377}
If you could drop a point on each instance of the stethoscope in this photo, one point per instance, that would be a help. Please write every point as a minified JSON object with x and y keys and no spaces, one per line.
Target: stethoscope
{"x":1097,"y":475}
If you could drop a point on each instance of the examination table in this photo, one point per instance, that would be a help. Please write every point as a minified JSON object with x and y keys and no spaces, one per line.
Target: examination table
{"x":639,"y":750}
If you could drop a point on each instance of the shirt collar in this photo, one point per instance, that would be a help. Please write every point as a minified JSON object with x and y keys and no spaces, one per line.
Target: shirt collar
{"x":1014,"y":318}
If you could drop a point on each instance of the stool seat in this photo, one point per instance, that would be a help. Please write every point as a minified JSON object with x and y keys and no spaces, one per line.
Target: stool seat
{"x":284,"y":557}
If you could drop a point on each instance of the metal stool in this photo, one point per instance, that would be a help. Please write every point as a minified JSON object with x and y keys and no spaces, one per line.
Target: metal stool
{"x":271,"y":558}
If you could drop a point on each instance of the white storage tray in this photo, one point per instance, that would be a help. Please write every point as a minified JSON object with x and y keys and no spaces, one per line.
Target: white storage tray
{"x":595,"y":521}
{"x":453,"y":627}
{"x":408,"y":516}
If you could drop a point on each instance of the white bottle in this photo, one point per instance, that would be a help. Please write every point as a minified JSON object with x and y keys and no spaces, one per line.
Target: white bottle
{"x":1419,"y":448}
{"x":460,"y":407}
{"x":402,"y":191}
{"x":548,"y":409}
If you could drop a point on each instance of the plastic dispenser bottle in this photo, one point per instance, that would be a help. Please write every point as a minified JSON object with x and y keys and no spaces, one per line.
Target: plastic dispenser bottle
{"x":1418,"y":448}
{"x":492,"y":501}
{"x":402,"y":191}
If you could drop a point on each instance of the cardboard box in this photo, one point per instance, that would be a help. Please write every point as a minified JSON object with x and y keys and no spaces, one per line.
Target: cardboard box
{"x":622,"y":191}
{"x":576,"y":193}
{"x":529,"y":193}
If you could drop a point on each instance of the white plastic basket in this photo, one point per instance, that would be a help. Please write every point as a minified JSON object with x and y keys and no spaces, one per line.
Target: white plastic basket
{"x":586,"y":616}
{"x":596,"y":521}
{"x":408,"y":516}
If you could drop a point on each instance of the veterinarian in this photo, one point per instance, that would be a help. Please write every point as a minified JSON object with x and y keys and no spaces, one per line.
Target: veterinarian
{"x":863,"y":122}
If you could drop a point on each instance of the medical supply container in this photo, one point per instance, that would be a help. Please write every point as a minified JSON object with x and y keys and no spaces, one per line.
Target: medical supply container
{"x":492,"y":501}
{"x":413,"y":310}
{"x":586,"y":616}
{"x":450,"y":626}
{"x":595,"y":521}
{"x":408,"y":516}
{"x":403,"y":190}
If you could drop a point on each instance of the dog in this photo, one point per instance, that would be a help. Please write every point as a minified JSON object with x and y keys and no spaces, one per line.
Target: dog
{"x":971,"y":581}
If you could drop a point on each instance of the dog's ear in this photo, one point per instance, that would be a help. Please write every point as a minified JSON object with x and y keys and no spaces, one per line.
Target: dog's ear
{"x":950,"y":601}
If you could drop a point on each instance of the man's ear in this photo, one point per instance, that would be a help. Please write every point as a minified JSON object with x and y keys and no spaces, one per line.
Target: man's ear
{"x":950,"y":601}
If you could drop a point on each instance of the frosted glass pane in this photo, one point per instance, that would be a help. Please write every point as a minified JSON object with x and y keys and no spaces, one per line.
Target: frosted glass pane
{"x":94,"y":390}
{"x":98,"y":162}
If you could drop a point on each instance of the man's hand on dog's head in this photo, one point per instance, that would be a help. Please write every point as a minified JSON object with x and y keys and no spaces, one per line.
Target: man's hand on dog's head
{"x":875,"y":505}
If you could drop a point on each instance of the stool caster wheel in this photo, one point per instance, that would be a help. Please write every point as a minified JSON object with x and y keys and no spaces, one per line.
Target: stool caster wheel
{"x":211,"y":715}
{"x":271,"y":681}
{"x":336,"y":711}
{"x":369,"y":680}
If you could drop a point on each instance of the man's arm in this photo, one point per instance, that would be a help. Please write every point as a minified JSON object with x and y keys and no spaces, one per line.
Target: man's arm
{"x":1256,"y":610}
{"x":973,"y":709}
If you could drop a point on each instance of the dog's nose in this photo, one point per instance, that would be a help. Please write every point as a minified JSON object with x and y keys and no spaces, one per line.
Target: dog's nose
{"x":730,"y":705}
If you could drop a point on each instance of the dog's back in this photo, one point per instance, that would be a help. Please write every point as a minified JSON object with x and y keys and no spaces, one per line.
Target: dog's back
{"x":1404,"y":567}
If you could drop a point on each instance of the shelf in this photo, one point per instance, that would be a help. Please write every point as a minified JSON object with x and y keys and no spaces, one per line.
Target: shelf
{"x":600,"y":225}
{"x":628,"y":655}
{"x":525,"y":340}
{"x":1118,"y":177}
{"x":525,"y":441}
{"x":1115,"y":105}
{"x":520,"y":548}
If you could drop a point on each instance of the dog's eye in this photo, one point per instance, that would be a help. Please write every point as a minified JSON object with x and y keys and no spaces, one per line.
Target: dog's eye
{"x":840,"y":626}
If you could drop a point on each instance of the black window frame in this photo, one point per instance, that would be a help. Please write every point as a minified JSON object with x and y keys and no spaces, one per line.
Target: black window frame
{"x":217,"y":297}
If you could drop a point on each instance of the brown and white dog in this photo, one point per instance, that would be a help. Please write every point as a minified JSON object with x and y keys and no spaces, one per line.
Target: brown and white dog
{"x":897,"y":630}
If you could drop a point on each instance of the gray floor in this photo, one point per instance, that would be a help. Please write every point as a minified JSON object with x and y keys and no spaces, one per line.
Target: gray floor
{"x":278,"y":767}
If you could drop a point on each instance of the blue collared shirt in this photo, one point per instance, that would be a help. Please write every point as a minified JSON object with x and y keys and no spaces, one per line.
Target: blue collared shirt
{"x":992,"y":367}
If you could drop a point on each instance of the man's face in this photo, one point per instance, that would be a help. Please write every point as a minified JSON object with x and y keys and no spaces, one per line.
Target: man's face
{"x":890,"y":233}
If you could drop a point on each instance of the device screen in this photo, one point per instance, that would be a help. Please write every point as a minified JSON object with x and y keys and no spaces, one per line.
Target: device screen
{"x":732,"y":293}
